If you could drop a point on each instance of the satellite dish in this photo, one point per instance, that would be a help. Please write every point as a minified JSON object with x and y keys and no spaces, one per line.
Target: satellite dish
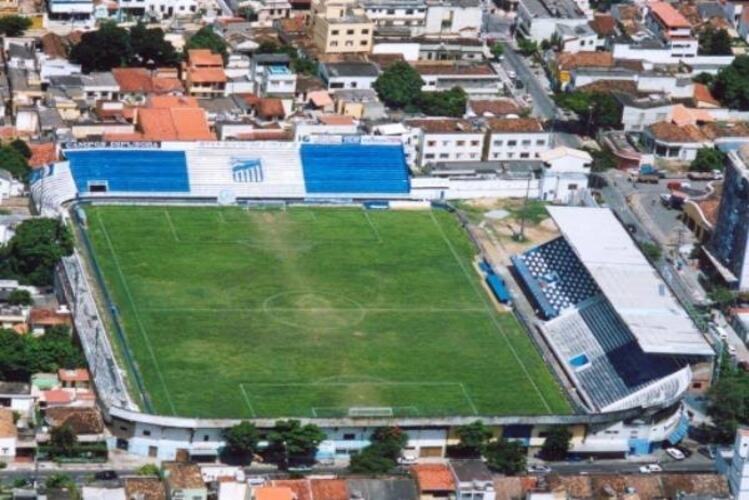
{"x":227,"y":197}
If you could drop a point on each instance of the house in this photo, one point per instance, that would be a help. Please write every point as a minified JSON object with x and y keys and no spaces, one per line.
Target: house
{"x":329,"y":489}
{"x":516,"y":139}
{"x":144,"y":488}
{"x":433,"y":140}
{"x":167,"y":118}
{"x":8,"y":435}
{"x":9,"y":186}
{"x":567,"y":62}
{"x":473,"y":480}
{"x":674,"y":142}
{"x":401,"y":17}
{"x":44,"y":381}
{"x":640,"y":112}
{"x":268,"y":11}
{"x":85,"y":422}
{"x":579,"y":38}
{"x":233,"y":490}
{"x":361,"y":104}
{"x":67,"y":13}
{"x":566,"y":172}
{"x":272,"y":75}
{"x":272,"y":493}
{"x":495,"y":108}
{"x":138,"y":83}
{"x":341,"y":27}
{"x":204,"y":73}
{"x":184,"y":481}
{"x":382,"y":489}
{"x":453,"y":18}
{"x":41,"y":319}
{"x":477,"y":80}
{"x":350,"y":75}
{"x":17,"y":397}
{"x":161,"y":9}
{"x":433,"y":481}
{"x":74,"y":379}
{"x":13,"y":317}
{"x":539,"y":19}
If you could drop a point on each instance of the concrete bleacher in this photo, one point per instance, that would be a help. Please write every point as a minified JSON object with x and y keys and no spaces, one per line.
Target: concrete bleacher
{"x":554,"y":275}
{"x":602,"y":355}
{"x":354,"y":169}
{"x":51,"y":186}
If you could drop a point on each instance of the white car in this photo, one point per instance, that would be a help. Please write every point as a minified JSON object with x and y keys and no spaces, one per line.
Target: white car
{"x":675,"y":453}
{"x":650,"y":468}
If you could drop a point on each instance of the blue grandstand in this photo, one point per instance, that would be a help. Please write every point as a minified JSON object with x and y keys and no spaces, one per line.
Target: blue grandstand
{"x":354,"y":169}
{"x":136,"y":171}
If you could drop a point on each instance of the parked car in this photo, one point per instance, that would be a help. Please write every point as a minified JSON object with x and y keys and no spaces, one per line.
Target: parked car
{"x":105,"y":475}
{"x":675,"y":453}
{"x":538,"y":469}
{"x":650,"y":468}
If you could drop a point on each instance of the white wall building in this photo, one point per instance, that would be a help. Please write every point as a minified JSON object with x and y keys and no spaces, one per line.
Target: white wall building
{"x":462,"y":17}
{"x":738,"y":474}
{"x":434,"y":140}
{"x":566,"y":172}
{"x":516,"y":139}
{"x":353,"y":75}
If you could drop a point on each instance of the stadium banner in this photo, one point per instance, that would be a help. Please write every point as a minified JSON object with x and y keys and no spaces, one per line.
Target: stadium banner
{"x":111,"y":145}
{"x":364,"y":140}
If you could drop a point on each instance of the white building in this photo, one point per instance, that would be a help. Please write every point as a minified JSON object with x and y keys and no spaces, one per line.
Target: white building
{"x":462,"y":17}
{"x":477,"y":80}
{"x":434,"y":140}
{"x":540,"y":19}
{"x":516,"y":139}
{"x":268,"y":11}
{"x":162,"y":9}
{"x":349,"y":75}
{"x":638,"y":113}
{"x":566,"y":172}
{"x":9,"y":186}
{"x":70,"y":14}
{"x":406,"y":17}
{"x":738,"y":474}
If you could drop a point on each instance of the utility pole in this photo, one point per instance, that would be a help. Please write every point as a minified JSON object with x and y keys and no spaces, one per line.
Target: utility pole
{"x":523,"y":214}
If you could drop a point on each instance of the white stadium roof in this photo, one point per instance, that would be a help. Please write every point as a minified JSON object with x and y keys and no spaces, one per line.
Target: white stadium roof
{"x":632,"y":286}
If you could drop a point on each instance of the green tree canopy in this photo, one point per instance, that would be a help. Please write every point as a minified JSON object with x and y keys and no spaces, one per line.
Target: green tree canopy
{"x":35,"y":249}
{"x":707,"y":160}
{"x":22,"y":148}
{"x":730,"y":86}
{"x":22,"y":355}
{"x":291,"y":442}
{"x":715,"y":42}
{"x":101,"y":50}
{"x":14,"y":162}
{"x":446,"y":103}
{"x":474,"y":437}
{"x":149,"y":470}
{"x":594,"y":109}
{"x":19,"y":297}
{"x":728,"y":402}
{"x":557,"y":444}
{"x":14,"y":25}
{"x":241,"y":440}
{"x":62,"y":440}
{"x":497,"y":50}
{"x":507,"y":457}
{"x":704,"y":78}
{"x":371,"y":461}
{"x":399,"y":85}
{"x":527,"y":47}
{"x":206,"y":38}
{"x":151,"y":48}
{"x":382,"y":454}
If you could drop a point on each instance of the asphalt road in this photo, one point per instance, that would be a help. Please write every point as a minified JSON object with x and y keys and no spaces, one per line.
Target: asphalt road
{"x":543,"y":106}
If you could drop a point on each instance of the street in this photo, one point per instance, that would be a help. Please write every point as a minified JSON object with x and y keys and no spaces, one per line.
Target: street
{"x":543,"y":105}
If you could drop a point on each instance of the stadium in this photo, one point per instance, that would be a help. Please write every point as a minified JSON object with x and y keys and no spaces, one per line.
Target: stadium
{"x":269,"y":280}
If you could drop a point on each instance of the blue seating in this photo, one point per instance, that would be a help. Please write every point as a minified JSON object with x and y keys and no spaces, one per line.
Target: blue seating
{"x":131,"y":170}
{"x":355,"y":169}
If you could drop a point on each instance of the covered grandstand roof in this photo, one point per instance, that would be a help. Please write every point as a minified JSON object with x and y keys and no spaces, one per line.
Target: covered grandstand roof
{"x":628,"y":281}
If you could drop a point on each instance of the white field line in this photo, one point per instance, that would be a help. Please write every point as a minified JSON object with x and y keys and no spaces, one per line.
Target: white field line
{"x":171,"y":225}
{"x":489,"y":311}
{"x":143,"y":333}
{"x":247,"y":400}
{"x":371,"y":225}
{"x":426,"y":310}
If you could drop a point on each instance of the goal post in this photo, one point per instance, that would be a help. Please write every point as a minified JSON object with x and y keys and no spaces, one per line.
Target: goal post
{"x":265,"y":205}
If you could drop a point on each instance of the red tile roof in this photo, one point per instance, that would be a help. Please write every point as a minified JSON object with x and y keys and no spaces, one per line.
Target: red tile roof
{"x":300,"y":487}
{"x":206,"y":75}
{"x":702,"y":94}
{"x":270,"y":108}
{"x":669,"y":16}
{"x":76,"y":375}
{"x":603,"y":24}
{"x":48,"y":317}
{"x":498,"y":107}
{"x":174,"y":124}
{"x":433,"y":477}
{"x":567,"y":60}
{"x":454,"y":69}
{"x":58,"y":396}
{"x":204,"y":57}
{"x":42,"y":154}
{"x":669,"y":132}
{"x":514,"y":125}
{"x":329,"y":489}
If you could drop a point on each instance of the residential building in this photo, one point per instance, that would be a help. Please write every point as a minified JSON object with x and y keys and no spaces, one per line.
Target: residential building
{"x":477,"y":80}
{"x":494,"y":108}
{"x":272,"y":75}
{"x":360,"y":104}
{"x":204,"y":74}
{"x":516,"y":139}
{"x":638,"y":113}
{"x":400,"y":17}
{"x":99,"y":493}
{"x":433,"y":480}
{"x":730,"y":239}
{"x":473,"y":480}
{"x":9,"y":186}
{"x":454,"y":17}
{"x":161,"y":9}
{"x":144,"y":488}
{"x":340,"y":27}
{"x":349,"y":75}
{"x":70,"y":13}
{"x":566,"y":172}
{"x":85,"y":422}
{"x":675,"y":142}
{"x":184,"y":481}
{"x":78,"y":378}
{"x":135,"y":84}
{"x":167,"y":118}
{"x":738,"y":473}
{"x":539,"y":19}
{"x":566,"y":63}
{"x":268,"y":11}
{"x":578,"y":38}
{"x":443,"y":140}
{"x":17,"y":397}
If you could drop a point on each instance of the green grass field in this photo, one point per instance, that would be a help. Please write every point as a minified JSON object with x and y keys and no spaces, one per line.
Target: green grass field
{"x":309,"y":312}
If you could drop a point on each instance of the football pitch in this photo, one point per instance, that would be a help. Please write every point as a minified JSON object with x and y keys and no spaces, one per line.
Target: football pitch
{"x":310,"y":312}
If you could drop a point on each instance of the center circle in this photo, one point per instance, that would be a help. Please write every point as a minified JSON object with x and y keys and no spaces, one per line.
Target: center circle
{"x":313,"y":310}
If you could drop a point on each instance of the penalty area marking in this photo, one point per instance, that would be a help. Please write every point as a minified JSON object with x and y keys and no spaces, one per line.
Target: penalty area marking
{"x":171,"y":225}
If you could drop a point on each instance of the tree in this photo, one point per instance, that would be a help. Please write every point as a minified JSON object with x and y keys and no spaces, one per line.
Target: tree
{"x":241,"y":440}
{"x":704,"y":78}
{"x":32,"y":253}
{"x":108,"y":47}
{"x":14,"y":162}
{"x":14,"y":25}
{"x":728,"y":402}
{"x":446,"y":103}
{"x":730,"y":86}
{"x":603,"y":159}
{"x":22,"y":148}
{"x":651,"y":251}
{"x":399,"y":85}
{"x":715,"y":42}
{"x":594,"y":109}
{"x":206,"y":38}
{"x":57,"y":481}
{"x":507,"y":457}
{"x":19,"y":297}
{"x":62,"y":440}
{"x":497,"y":50}
{"x":721,"y":296}
{"x":149,"y":47}
{"x":707,"y":160}
{"x":291,"y":442}
{"x":557,"y":444}
{"x":527,"y":47}
{"x":149,"y":470}
{"x":474,"y":437}
{"x":383,"y":452}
